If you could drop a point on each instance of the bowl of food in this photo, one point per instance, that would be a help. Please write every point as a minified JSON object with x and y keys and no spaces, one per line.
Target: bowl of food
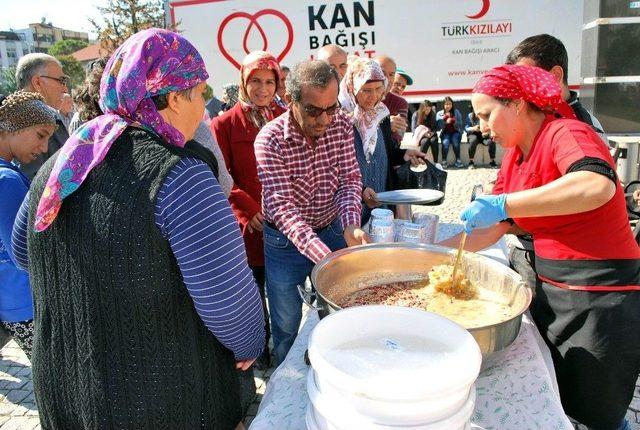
{"x":488,"y":300}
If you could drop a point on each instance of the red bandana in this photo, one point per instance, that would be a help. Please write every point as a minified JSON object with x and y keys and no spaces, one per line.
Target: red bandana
{"x":531,"y":84}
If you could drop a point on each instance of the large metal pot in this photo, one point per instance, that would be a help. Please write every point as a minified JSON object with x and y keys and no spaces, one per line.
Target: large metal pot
{"x":352,"y":269}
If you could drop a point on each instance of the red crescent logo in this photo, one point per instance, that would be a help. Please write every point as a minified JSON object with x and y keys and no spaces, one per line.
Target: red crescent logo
{"x":485,"y":8}
{"x":253,"y":21}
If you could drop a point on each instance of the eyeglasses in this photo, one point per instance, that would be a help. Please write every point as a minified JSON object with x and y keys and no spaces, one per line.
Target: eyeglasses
{"x":64,"y":80}
{"x":315,"y":112}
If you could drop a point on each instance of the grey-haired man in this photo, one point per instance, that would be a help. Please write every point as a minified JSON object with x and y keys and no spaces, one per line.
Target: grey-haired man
{"x":42,"y":73}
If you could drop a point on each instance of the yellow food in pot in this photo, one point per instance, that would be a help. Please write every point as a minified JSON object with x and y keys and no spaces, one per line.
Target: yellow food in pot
{"x":466,"y":304}
{"x":440,"y":278}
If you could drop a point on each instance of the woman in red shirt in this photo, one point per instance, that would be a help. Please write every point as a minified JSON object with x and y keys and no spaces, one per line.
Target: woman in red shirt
{"x":558,"y":182}
{"x":235,"y":132}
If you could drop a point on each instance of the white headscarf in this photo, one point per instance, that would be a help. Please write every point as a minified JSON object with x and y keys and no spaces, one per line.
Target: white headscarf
{"x":360,"y":72}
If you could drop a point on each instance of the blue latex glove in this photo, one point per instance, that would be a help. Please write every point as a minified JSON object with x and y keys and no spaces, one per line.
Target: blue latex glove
{"x":484,"y":211}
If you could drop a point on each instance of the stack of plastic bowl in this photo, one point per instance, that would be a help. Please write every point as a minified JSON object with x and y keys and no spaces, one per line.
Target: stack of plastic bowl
{"x":383,"y":228}
{"x":381,"y":225}
{"x":380,"y":213}
{"x":411,"y":232}
{"x":388,"y":367}
{"x":430,"y":223}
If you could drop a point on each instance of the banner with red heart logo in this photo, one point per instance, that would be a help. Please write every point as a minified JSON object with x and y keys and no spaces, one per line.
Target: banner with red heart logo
{"x":253,"y":24}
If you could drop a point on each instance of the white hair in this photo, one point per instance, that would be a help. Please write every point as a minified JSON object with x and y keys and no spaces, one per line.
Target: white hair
{"x":30,"y":65}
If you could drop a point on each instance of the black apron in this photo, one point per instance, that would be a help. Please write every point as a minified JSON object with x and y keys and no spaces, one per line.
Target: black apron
{"x":594,"y":338}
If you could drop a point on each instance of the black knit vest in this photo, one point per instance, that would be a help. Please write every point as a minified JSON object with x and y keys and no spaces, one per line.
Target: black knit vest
{"x":118,"y":342}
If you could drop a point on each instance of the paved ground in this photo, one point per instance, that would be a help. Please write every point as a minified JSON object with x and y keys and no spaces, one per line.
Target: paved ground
{"x":18,"y":407}
{"x":17,"y":403}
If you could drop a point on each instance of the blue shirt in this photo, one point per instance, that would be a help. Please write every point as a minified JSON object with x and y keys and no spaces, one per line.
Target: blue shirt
{"x":194,"y":215}
{"x":16,"y":303}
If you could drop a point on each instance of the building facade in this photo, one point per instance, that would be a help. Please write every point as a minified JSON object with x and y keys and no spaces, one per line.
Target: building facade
{"x":42,"y":36}
{"x":12,"y":47}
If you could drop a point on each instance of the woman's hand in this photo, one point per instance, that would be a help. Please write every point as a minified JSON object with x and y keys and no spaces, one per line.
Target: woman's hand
{"x":370,"y":198}
{"x":398,"y":124}
{"x":256,"y":223}
{"x":244,"y":364}
{"x":414,"y":156}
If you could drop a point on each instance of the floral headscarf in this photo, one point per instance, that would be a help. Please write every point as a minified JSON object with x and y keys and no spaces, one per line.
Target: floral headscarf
{"x":360,"y":72}
{"x":529,"y":83}
{"x":149,"y":63}
{"x":258,"y":60}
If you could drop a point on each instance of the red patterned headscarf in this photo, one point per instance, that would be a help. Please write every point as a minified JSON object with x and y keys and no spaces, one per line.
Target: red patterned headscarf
{"x":529,"y":83}
{"x":258,"y":60}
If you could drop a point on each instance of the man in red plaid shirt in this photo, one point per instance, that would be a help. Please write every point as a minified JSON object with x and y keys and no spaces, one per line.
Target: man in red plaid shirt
{"x":311,"y":191}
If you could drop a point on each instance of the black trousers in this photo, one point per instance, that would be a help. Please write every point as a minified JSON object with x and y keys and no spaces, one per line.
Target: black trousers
{"x":594,"y":340}
{"x":474,"y":139}
{"x":427,"y":143}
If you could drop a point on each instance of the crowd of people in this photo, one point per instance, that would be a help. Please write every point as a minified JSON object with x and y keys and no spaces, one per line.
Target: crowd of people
{"x":143,"y":233}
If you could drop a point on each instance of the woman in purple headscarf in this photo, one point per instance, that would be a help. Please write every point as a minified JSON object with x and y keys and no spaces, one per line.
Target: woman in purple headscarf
{"x":144,"y":303}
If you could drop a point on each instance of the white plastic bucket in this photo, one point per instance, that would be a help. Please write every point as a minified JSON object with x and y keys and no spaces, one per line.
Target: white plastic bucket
{"x":310,"y":418}
{"x":327,"y":413}
{"x":393,"y":354}
{"x":405,"y":413}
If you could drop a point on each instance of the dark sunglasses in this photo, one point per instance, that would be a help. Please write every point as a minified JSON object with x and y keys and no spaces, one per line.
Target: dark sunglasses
{"x":64,"y":80}
{"x":315,"y":112}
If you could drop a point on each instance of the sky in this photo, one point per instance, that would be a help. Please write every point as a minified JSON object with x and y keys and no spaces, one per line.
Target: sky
{"x":67,"y":14}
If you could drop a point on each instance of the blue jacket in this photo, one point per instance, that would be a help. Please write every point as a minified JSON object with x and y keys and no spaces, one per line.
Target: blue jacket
{"x":471,"y":123}
{"x":16,"y":303}
{"x":459,"y":125}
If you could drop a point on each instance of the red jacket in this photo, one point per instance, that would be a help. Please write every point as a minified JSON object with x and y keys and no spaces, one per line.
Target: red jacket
{"x":235,"y":135}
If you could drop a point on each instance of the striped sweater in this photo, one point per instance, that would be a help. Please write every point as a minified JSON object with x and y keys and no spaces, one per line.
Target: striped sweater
{"x":194,"y":215}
